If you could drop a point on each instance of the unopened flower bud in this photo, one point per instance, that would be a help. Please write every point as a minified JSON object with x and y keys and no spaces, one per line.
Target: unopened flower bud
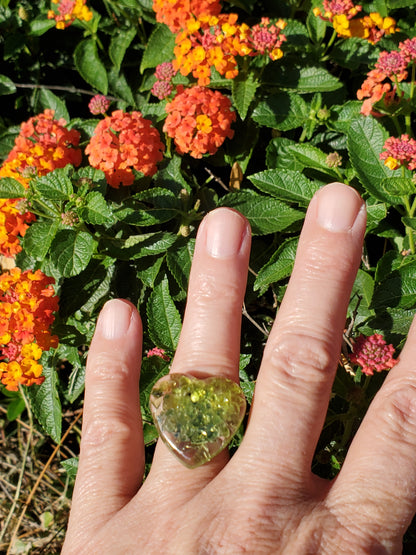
{"x":333,"y":160}
{"x":69,"y":218}
{"x":99,"y":104}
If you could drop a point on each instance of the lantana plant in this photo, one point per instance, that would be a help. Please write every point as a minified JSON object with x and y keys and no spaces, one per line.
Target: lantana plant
{"x":124,"y":123}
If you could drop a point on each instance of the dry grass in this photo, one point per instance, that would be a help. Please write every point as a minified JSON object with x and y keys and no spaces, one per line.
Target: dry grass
{"x":35,"y":490}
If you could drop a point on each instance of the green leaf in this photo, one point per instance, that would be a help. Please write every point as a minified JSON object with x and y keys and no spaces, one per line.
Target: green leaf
{"x":171,"y":177}
{"x":303,"y":80}
{"x":71,"y":467}
{"x":283,"y":111}
{"x":55,"y":185}
{"x":11,"y":188}
{"x":397,"y":189}
{"x":375,"y":213}
{"x":15,"y":408}
{"x":265,"y":214}
{"x":136,"y":246}
{"x":243,"y":92}
{"x":96,"y":211}
{"x":71,"y":251}
{"x":316,"y":27}
{"x":39,"y":237}
{"x":163,"y":319}
{"x":45,"y":403}
{"x":280,"y":265}
{"x":89,"y":65}
{"x":366,"y":138}
{"x":39,"y":27}
{"x":89,"y":289}
{"x":148,"y":269}
{"x":397,"y":290}
{"x":6,"y":85}
{"x":49,"y":100}
{"x":342,"y":116}
{"x":159,"y":48}
{"x":119,"y":44}
{"x":285,"y":185}
{"x":179,"y":260}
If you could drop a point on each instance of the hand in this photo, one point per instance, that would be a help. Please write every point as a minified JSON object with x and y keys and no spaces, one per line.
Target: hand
{"x":265,"y":499}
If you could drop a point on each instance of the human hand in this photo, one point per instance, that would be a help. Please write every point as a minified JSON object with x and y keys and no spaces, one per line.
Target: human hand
{"x":264,"y":500}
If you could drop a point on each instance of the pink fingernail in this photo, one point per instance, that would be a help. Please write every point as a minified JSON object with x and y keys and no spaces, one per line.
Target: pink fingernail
{"x":114,"y":319}
{"x":226,"y":231}
{"x":338,"y":207}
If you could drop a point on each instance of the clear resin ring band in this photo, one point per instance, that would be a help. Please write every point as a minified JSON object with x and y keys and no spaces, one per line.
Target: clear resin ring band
{"x":196,"y":418}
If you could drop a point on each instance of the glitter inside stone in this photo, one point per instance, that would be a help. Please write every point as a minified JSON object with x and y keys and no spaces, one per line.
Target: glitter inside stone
{"x":196,"y":418}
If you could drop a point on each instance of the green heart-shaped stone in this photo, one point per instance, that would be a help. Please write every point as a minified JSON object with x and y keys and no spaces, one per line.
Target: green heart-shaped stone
{"x":196,"y":418}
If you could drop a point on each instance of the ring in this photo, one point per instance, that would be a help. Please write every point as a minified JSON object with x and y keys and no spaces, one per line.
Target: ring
{"x":196,"y":418}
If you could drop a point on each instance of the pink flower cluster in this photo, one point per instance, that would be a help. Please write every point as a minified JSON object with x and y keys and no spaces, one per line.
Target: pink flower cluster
{"x":373,"y":354}
{"x":163,"y":86}
{"x":399,"y":152}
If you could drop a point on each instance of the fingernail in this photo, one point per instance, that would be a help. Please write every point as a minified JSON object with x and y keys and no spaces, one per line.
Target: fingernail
{"x":226,"y":232}
{"x":338,"y":207}
{"x":114,"y":319}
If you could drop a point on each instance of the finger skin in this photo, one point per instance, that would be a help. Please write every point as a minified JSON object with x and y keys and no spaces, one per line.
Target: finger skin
{"x":209,"y":344}
{"x":111,"y":461}
{"x":300,"y":358}
{"x":379,"y":473}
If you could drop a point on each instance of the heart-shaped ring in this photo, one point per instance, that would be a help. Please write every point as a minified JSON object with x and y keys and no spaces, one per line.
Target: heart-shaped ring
{"x":196,"y":418}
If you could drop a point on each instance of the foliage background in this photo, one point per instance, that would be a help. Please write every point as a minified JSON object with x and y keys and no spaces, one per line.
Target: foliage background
{"x":137,"y":242}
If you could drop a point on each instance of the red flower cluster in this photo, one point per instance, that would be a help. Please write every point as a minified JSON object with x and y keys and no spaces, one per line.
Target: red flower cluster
{"x":399,"y":152}
{"x":157,"y":352}
{"x":199,"y":120}
{"x":175,"y":13}
{"x":391,"y":69}
{"x":123,"y":142}
{"x":67,"y":11}
{"x":42,"y":145}
{"x":372,"y":354}
{"x":27,"y":305}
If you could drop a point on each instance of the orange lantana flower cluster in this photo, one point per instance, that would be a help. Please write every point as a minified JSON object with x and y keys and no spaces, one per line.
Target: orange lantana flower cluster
{"x":216,"y":41}
{"x":341,"y":13}
{"x":67,"y":11}
{"x":42,"y":145}
{"x":123,"y":142}
{"x":199,"y":120}
{"x":27,"y":305}
{"x":175,"y":13}
{"x":390,"y":69}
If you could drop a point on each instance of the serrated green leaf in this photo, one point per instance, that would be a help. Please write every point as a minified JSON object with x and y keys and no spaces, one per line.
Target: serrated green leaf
{"x":96,"y":211}
{"x":49,"y":100}
{"x":71,"y":467}
{"x":397,"y":189}
{"x":71,"y":251}
{"x":89,"y":289}
{"x":46,"y":405}
{"x":179,"y":260}
{"x":119,"y":44}
{"x":375,"y":213}
{"x":11,"y":188}
{"x":265,"y":214}
{"x":397,"y":290}
{"x":136,"y":246}
{"x":243,"y":92}
{"x":342,"y":116}
{"x":285,"y":185}
{"x":15,"y":408}
{"x":290,"y":76}
{"x":89,"y":65}
{"x":55,"y":185}
{"x":39,"y":237}
{"x":6,"y":85}
{"x":280,"y":265}
{"x":316,"y":27}
{"x":163,"y":319}
{"x":39,"y":26}
{"x":148,"y":269}
{"x":171,"y":177}
{"x":159,"y":48}
{"x":366,"y":138}
{"x":283,"y":111}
